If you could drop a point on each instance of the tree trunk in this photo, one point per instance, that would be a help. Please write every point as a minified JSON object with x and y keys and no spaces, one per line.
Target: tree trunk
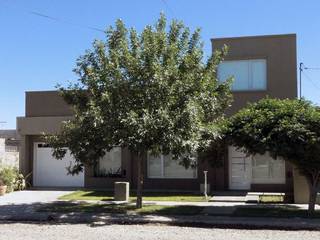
{"x":312,"y":200}
{"x":140,"y":180}
{"x":313,"y":181}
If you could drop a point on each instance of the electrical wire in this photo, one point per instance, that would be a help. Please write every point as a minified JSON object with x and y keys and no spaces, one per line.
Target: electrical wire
{"x":313,"y":83}
{"x":312,"y":68}
{"x":52,"y":18}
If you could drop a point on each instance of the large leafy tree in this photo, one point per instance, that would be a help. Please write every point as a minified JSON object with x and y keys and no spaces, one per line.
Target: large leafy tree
{"x":283,"y":128}
{"x":148,"y":92}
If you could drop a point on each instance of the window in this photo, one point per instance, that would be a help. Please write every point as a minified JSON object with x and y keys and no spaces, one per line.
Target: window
{"x":248,"y":74}
{"x":110,"y":163}
{"x":164,"y":166}
{"x":267,"y":170}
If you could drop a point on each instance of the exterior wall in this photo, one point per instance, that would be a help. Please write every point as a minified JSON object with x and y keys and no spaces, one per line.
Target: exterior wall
{"x":9,"y":148}
{"x":301,"y":189}
{"x":280,"y":53}
{"x":46,"y":104}
{"x":8,"y":158}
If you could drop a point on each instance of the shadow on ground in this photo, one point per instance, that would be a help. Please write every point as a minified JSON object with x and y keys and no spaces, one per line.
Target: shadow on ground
{"x":237,"y":216}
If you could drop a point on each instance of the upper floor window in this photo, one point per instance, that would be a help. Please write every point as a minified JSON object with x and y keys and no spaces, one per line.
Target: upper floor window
{"x":248,"y":74}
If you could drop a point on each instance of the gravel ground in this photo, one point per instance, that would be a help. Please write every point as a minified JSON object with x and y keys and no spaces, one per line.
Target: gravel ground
{"x":17,"y":231}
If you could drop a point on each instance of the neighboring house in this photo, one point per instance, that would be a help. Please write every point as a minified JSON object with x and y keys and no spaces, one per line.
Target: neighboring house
{"x":262,"y":66}
{"x":9,"y":148}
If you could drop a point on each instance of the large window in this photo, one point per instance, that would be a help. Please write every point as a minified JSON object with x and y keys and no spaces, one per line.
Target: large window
{"x":110,"y":164}
{"x":248,"y":74}
{"x":164,"y":166}
{"x":267,"y":170}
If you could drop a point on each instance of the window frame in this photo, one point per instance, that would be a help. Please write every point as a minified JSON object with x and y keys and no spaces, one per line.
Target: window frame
{"x":162,"y":176}
{"x":97,"y":170}
{"x":249,"y":59}
{"x":269,"y":180}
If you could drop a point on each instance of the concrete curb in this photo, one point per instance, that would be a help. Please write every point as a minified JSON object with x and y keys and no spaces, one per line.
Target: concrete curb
{"x":187,"y":221}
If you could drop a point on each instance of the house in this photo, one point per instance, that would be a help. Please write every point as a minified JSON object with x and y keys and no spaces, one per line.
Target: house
{"x":9,"y":148}
{"x":262,"y":66}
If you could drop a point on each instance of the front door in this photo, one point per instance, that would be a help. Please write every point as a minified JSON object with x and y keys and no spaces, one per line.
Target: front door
{"x":240,"y":170}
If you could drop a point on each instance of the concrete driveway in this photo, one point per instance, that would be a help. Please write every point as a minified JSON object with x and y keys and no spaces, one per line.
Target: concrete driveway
{"x":31,"y":196}
{"x":22,"y":204}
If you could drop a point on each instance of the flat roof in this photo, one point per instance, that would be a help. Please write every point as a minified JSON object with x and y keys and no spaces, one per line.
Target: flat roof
{"x":256,"y":36}
{"x":41,"y":91}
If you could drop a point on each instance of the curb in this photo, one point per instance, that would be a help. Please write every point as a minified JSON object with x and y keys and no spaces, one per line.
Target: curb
{"x":183,"y":221}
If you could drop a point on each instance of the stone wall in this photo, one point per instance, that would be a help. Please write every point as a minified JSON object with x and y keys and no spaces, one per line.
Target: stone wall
{"x":9,"y":155}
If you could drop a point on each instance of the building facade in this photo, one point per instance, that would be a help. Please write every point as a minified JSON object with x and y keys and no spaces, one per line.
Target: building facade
{"x":261,"y":66}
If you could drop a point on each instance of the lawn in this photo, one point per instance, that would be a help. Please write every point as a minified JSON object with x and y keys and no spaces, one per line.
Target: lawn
{"x":148,"y":196}
{"x":271,"y":199}
{"x":69,"y":207}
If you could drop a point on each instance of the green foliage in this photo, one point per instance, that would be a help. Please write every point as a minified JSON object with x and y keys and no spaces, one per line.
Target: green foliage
{"x":284,"y":128}
{"x":151,"y":91}
{"x":11,"y":177}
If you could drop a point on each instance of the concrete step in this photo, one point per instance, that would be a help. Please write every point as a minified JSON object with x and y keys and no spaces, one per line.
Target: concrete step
{"x":252,"y":198}
{"x":228,"y":199}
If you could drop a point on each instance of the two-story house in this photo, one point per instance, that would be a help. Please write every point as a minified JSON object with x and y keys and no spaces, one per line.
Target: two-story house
{"x":261,"y":66}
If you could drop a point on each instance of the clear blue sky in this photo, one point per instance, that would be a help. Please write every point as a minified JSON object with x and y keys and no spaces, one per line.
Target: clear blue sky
{"x":36,"y":53}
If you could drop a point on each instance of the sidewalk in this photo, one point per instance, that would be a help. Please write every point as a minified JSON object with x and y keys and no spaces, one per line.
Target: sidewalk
{"x":23,"y":207}
{"x":204,"y":220}
{"x":187,"y":221}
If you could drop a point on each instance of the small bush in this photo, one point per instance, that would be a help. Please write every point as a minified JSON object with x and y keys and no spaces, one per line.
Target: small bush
{"x":11,"y":177}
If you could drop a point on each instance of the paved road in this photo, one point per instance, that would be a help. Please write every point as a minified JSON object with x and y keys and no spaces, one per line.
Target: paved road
{"x":19,"y":231}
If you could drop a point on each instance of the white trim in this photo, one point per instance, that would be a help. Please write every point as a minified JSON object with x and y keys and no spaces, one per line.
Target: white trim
{"x":247,"y":164}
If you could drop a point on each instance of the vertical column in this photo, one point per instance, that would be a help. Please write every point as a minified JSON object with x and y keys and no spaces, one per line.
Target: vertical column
{"x":23,"y":155}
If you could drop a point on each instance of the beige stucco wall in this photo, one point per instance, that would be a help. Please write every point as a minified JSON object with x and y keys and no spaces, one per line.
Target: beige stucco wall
{"x":300,"y":186}
{"x":301,"y":189}
{"x":39,"y":125}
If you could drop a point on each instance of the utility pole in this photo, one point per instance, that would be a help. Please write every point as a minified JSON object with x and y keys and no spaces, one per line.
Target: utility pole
{"x":300,"y":85}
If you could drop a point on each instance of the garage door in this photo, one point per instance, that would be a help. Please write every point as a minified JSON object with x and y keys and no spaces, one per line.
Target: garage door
{"x":50,"y":172}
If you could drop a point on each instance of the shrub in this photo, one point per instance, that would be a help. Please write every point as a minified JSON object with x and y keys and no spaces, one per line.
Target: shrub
{"x":11,"y":177}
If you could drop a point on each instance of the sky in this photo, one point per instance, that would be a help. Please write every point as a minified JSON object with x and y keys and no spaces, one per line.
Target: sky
{"x":38,"y":52}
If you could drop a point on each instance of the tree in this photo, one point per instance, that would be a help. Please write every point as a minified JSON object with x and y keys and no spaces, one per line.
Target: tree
{"x":289,"y":129}
{"x":148,"y":92}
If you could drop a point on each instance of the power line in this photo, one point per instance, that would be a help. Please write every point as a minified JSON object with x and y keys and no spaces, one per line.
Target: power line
{"x":302,"y":67}
{"x":52,"y":18}
{"x":312,"y":68}
{"x":313,"y":83}
{"x":64,"y":21}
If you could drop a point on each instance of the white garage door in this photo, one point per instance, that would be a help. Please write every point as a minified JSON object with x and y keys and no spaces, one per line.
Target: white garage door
{"x":50,"y":172}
